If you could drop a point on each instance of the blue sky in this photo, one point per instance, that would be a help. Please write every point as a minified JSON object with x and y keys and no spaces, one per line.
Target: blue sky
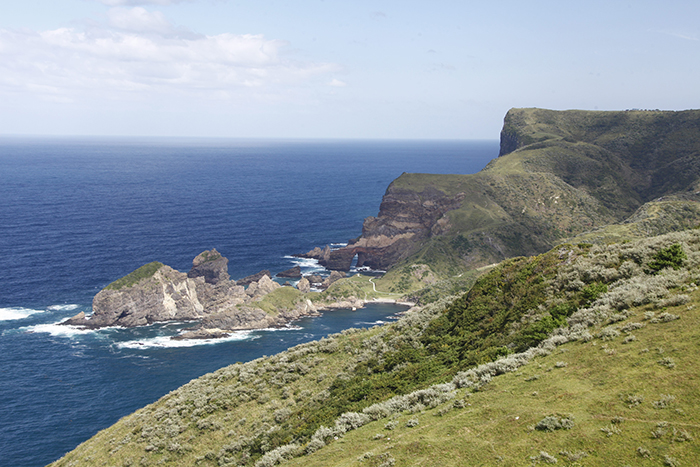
{"x":334,"y":69}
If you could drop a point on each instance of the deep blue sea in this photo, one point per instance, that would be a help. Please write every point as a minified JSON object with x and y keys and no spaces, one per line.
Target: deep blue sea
{"x":76,"y":214}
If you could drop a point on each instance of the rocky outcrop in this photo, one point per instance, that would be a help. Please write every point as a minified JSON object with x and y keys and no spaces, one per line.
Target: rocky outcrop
{"x":314,"y":279}
{"x":156,"y":292}
{"x":247,"y":317}
{"x":559,"y":174}
{"x":262,"y":287}
{"x":210,"y":265}
{"x":253,"y":278}
{"x":293,"y":273}
{"x":334,"y":277}
{"x":166,"y":295}
{"x":406,"y":218}
{"x":304,"y":286}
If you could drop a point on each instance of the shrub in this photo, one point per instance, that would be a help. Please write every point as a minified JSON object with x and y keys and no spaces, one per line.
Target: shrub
{"x":660,"y":430}
{"x":671,"y":257}
{"x":633,"y":400}
{"x":555,"y":422}
{"x":664,"y":318}
{"x":668,"y":362}
{"x":611,"y":430}
{"x":412,"y":422}
{"x":544,"y":457}
{"x":314,"y":445}
{"x":665,"y":401}
{"x":282,"y":415}
{"x":277,"y":456}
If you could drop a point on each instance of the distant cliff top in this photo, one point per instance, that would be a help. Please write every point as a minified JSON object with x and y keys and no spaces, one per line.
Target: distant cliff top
{"x":559,"y":174}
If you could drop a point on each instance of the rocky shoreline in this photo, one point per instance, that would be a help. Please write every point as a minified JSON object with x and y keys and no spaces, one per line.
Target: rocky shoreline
{"x":158,"y":293}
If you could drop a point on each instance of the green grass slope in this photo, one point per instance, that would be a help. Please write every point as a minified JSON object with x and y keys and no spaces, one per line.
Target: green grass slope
{"x":585,"y":354}
{"x":562,"y":174}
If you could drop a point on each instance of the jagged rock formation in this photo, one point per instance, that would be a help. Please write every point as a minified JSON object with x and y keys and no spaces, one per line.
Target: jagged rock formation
{"x":304,"y":286}
{"x":247,"y":315}
{"x":559,"y":174}
{"x":262,"y":287}
{"x":334,"y":277}
{"x":210,"y":265}
{"x":253,"y":278}
{"x":166,"y":295}
{"x":156,"y":292}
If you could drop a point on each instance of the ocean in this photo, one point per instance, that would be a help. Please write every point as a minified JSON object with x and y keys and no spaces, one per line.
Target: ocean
{"x":78,"y":213}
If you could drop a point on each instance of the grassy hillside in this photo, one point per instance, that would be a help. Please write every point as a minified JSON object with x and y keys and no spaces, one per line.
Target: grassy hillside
{"x":585,"y":354}
{"x":563,"y":174}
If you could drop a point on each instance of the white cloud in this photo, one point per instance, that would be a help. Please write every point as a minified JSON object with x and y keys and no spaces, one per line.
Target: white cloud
{"x":337,"y":83}
{"x":141,"y":53}
{"x":139,"y":19}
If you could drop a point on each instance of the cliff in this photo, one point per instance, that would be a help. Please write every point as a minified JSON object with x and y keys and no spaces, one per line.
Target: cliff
{"x":559,"y":174}
{"x":156,"y":292}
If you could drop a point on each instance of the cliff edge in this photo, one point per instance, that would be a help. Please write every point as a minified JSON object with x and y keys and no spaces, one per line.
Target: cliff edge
{"x":559,"y":174}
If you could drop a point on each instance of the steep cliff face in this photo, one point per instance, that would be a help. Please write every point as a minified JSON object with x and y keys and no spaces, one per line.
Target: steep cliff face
{"x":558,"y":174}
{"x":167,"y":295}
{"x":406,"y":218}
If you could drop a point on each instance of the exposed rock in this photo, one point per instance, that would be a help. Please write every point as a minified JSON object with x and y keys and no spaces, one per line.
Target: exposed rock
{"x":254,"y":278}
{"x":293,"y":273}
{"x":406,"y":218}
{"x":248,"y":317}
{"x":335,"y":276}
{"x":315,"y":279}
{"x":262,"y":287}
{"x":339,"y":260}
{"x":243,"y":317}
{"x":304,"y":286}
{"x":76,"y":320}
{"x":352,"y":303}
{"x":316,"y":253}
{"x":202,"y":334}
{"x":166,"y":295}
{"x":210,"y":265}
{"x":156,"y":292}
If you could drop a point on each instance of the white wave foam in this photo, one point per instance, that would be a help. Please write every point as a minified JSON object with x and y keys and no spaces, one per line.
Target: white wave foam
{"x":306,"y":263}
{"x":161,"y":342}
{"x":368,"y":269}
{"x":58,"y":330}
{"x":9,"y":314}
{"x":338,"y":245}
{"x":62,"y":307}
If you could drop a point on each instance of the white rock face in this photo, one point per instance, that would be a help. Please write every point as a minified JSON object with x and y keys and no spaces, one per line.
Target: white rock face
{"x":172,"y":295}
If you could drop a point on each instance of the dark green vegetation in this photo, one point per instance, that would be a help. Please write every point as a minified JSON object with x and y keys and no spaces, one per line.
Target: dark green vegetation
{"x":144,"y":272}
{"x":671,"y":257}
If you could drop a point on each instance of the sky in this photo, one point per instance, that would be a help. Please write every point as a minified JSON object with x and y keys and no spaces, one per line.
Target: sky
{"x":388,"y":69}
